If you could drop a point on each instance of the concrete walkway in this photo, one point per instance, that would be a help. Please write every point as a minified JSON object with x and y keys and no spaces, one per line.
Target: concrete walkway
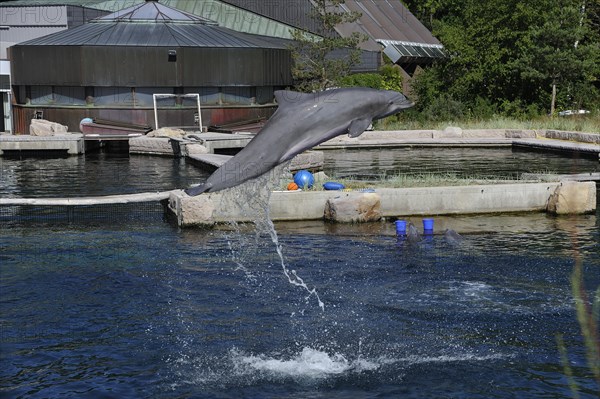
{"x":73,"y":144}
{"x":578,"y":142}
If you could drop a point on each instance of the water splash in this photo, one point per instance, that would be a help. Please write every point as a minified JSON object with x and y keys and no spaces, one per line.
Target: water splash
{"x":314,"y":364}
{"x":252,"y":199}
{"x":308,"y":364}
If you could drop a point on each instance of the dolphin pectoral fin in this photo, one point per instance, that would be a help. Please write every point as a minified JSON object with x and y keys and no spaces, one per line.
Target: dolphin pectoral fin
{"x":358,"y":126}
{"x":193,"y":191}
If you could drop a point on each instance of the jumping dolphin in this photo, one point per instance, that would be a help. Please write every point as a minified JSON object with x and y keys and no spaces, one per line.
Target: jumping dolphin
{"x":301,"y":122}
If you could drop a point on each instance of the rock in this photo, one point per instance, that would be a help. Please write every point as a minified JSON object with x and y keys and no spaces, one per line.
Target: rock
{"x":520,"y":134}
{"x":308,"y":160}
{"x":354,"y":207}
{"x":193,"y":211}
{"x":451,"y":132}
{"x":42,"y":127}
{"x":167,"y":132}
{"x":573,"y":136}
{"x":195,"y":149}
{"x":573,"y":198}
{"x":150,"y":145}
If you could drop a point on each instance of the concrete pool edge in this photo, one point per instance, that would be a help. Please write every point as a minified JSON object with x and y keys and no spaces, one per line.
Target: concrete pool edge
{"x":564,"y":197}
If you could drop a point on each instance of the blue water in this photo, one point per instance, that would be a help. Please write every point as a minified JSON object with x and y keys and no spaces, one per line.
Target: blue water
{"x":151,"y":311}
{"x":137,"y":308}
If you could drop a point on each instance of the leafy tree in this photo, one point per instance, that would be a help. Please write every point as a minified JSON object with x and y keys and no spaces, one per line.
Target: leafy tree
{"x":321,"y":61}
{"x":562,"y":56}
{"x":511,"y":54}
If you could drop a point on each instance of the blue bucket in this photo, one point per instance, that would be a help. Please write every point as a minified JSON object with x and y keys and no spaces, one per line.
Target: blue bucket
{"x":400,"y":227}
{"x":428,"y":226}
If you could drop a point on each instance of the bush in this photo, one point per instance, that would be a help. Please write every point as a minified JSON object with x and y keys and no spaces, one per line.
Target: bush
{"x":372,"y":80}
{"x":444,"y":108}
{"x":388,"y":78}
{"x":391,"y":78}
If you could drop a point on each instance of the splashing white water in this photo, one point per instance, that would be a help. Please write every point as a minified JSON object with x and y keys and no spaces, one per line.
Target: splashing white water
{"x":310,"y":363}
{"x":252,"y":199}
{"x":313,"y":364}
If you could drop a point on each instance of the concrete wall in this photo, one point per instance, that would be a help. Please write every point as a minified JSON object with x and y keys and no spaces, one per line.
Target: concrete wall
{"x":208,"y":209}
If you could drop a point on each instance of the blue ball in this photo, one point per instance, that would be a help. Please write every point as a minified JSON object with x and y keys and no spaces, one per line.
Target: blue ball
{"x":304,"y":179}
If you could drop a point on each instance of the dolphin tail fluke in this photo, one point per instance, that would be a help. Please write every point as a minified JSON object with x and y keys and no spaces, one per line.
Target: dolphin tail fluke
{"x":193,"y":191}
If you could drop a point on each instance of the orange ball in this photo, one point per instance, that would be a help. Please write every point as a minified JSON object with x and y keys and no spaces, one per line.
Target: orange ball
{"x":292,"y":186}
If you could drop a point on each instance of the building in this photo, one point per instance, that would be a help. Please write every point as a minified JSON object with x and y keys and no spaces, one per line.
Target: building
{"x":391,"y":28}
{"x":111,"y":67}
{"x":20,"y":23}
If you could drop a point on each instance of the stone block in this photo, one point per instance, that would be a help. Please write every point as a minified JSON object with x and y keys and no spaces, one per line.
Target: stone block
{"x":195,"y":149}
{"x":167,"y":132}
{"x":354,"y":207}
{"x":151,"y":145}
{"x":192,"y":211}
{"x":520,"y":134}
{"x":451,"y":132}
{"x":309,"y":160}
{"x":573,"y":136}
{"x":573,"y":198}
{"x":42,"y":127}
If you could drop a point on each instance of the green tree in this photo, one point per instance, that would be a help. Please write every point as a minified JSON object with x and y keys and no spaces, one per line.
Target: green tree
{"x":321,"y":61}
{"x":563,"y":57}
{"x":510,"y":54}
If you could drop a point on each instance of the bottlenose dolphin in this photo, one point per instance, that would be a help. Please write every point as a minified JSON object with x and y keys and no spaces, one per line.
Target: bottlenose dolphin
{"x":302,"y":121}
{"x":412,"y":234}
{"x":452,"y":237}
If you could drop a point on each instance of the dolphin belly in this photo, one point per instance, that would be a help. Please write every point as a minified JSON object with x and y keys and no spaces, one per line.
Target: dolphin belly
{"x":197,"y":190}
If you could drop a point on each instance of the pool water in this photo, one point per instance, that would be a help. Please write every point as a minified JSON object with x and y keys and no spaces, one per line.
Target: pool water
{"x":478,"y":163}
{"x":109,"y":173}
{"x":152,"y":311}
{"x":139,"y":308}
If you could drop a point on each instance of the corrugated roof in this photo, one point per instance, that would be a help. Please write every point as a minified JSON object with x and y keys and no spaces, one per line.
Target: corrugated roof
{"x":31,"y":3}
{"x":154,"y":35}
{"x":236,"y":17}
{"x":385,"y":22}
{"x":154,"y":25}
{"x":153,"y":11}
{"x":390,"y":20}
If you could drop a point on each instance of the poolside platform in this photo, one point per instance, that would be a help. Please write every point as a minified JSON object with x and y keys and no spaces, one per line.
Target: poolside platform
{"x":559,"y":145}
{"x":554,"y":197}
{"x":309,"y":160}
{"x":547,"y":140}
{"x":72,"y":144}
{"x":219,"y":141}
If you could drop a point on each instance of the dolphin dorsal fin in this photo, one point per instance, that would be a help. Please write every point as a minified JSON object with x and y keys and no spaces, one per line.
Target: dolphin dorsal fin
{"x":288,"y":97}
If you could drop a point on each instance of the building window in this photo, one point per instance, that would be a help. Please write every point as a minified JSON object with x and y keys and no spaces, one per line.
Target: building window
{"x":41,"y":95}
{"x":114,"y":96}
{"x":69,"y":95}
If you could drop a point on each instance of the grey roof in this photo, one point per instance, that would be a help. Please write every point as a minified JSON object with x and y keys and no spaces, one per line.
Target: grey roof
{"x":35,"y":3}
{"x":152,"y":35}
{"x":153,"y":25}
{"x":388,"y":23}
{"x":153,"y":11}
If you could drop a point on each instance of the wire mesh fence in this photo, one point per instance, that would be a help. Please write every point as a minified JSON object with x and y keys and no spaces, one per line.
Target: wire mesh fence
{"x":116,"y":213}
